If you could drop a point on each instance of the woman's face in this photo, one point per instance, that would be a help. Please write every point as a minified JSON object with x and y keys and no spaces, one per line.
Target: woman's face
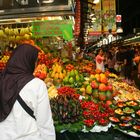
{"x":101,"y":52}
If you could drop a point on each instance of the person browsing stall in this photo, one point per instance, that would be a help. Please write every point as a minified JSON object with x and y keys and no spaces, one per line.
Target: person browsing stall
{"x":25,"y":112}
{"x":100,"y":61}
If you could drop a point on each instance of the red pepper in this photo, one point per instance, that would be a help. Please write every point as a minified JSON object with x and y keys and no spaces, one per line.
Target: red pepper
{"x":89,"y":122}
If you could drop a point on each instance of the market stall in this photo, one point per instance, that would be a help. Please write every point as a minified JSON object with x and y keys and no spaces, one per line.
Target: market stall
{"x":83,"y":99}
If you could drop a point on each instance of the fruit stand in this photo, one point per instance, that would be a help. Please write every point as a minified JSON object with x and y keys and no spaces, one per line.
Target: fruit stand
{"x":83,"y":99}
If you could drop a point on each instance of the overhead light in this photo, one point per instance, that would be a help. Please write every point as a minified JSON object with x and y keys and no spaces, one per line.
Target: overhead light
{"x":96,"y":1}
{"x":18,"y":20}
{"x":93,"y":21}
{"x":93,"y":18}
{"x":119,"y":30}
{"x":92,"y":15}
{"x":47,"y":1}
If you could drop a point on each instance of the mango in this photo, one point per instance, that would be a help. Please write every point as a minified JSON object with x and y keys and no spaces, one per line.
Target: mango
{"x":71,"y":80}
{"x":76,"y":72}
{"x":89,"y":89}
{"x":77,"y":78}
{"x":72,"y":73}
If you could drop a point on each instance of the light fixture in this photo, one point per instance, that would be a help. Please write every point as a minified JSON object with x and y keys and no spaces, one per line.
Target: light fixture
{"x":119,"y":30}
{"x":92,"y":15}
{"x":96,"y":1}
{"x":18,"y":20}
{"x":93,"y":21}
{"x":93,"y":18}
{"x":47,"y":1}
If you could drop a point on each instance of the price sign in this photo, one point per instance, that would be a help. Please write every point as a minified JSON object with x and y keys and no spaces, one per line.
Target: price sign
{"x":53,"y":28}
{"x":118,"y":18}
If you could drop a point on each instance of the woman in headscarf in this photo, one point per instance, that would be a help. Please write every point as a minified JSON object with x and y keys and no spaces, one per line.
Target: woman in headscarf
{"x":18,"y":83}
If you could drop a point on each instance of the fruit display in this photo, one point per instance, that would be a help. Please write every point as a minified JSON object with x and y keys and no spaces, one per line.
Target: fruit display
{"x":96,"y":113}
{"x":127,"y":116}
{"x":82,"y":97}
{"x":69,"y":67}
{"x":2,"y":65}
{"x":73,"y":79}
{"x":98,"y":88}
{"x":46,"y":59}
{"x":87,"y":67}
{"x":66,"y":110}
{"x":136,"y":129}
{"x":112,"y":75}
{"x":2,"y":34}
{"x":97,"y":110}
{"x":127,"y":104}
{"x":58,"y":72}
{"x":52,"y":91}
{"x":41,"y":71}
{"x":126,"y":92}
{"x":68,"y":90}
{"x":4,"y":60}
{"x":16,"y":34}
{"x":48,"y":81}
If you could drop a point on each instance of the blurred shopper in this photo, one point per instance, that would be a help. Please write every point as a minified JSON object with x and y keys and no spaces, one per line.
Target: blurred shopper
{"x":119,"y":61}
{"x":25,"y":112}
{"x":100,"y":61}
{"x":136,"y":73}
{"x":128,"y":63}
{"x":111,"y":63}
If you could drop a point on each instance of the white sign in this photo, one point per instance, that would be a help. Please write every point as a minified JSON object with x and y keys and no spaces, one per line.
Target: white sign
{"x":118,"y":18}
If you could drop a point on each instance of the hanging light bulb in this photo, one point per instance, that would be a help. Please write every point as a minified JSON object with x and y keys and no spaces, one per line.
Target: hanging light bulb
{"x":93,"y":18}
{"x":96,"y":1}
{"x":119,"y":30}
{"x":92,"y":15}
{"x":47,"y":1}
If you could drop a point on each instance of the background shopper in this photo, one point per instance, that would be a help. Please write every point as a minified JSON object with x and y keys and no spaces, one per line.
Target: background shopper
{"x":100,"y":61}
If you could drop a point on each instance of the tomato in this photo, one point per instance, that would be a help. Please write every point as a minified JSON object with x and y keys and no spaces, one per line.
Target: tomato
{"x":108,"y":102}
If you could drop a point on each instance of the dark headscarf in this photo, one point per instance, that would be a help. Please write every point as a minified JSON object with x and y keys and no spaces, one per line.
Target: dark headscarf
{"x":18,"y":72}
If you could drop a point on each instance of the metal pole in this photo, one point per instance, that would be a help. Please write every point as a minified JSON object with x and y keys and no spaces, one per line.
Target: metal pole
{"x":102,"y":28}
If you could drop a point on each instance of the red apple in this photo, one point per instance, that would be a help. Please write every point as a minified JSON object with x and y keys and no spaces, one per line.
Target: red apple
{"x":94,"y":84}
{"x":109,"y":87}
{"x":108,"y":102}
{"x":102,"y":87}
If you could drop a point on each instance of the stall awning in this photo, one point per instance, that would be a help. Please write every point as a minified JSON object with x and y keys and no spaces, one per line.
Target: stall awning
{"x":132,"y":41}
{"x":31,"y":8}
